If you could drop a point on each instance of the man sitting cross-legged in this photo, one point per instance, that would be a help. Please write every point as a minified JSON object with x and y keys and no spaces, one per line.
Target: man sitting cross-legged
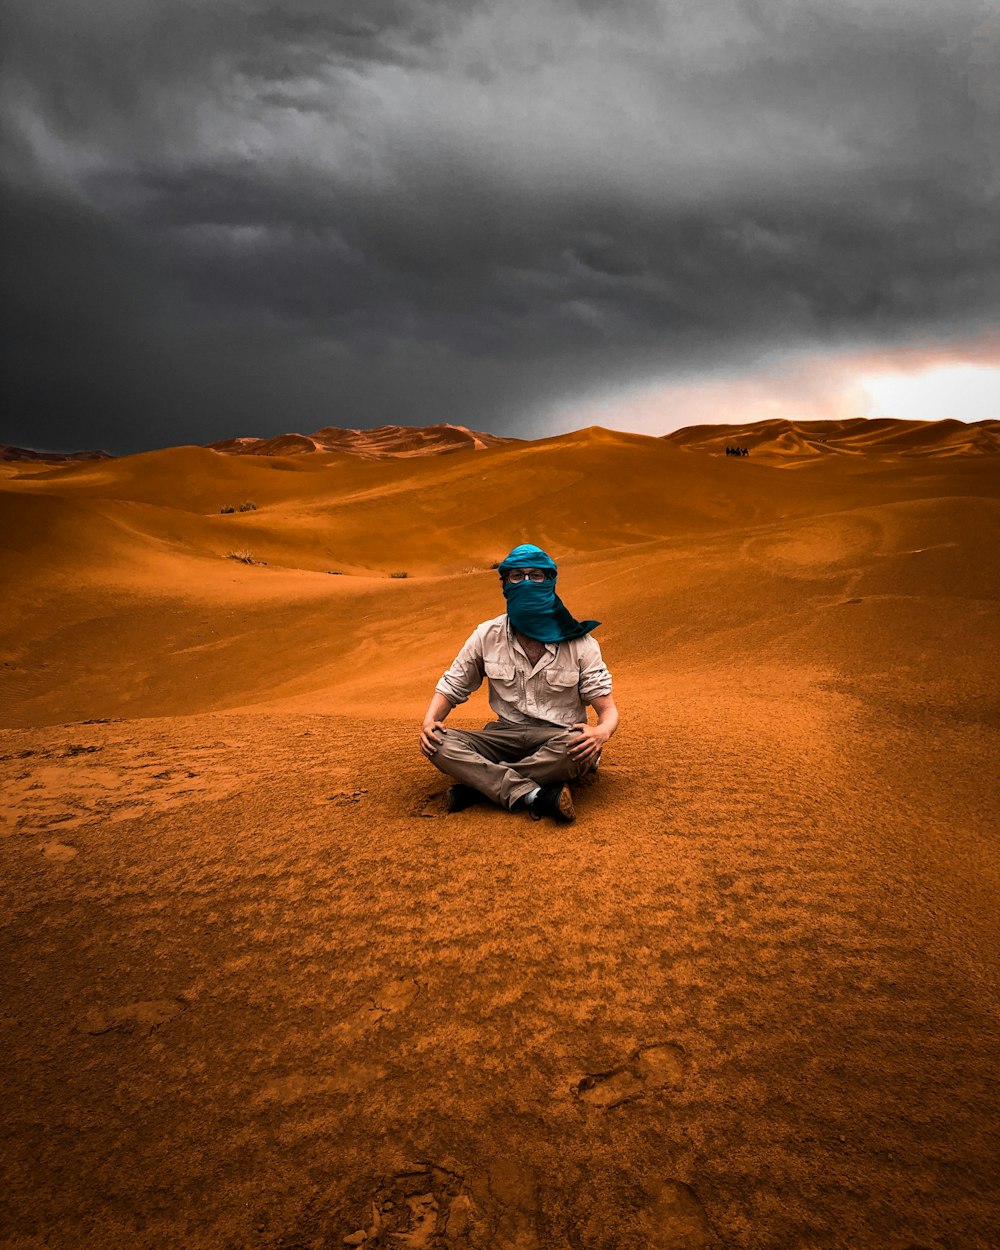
{"x":542,"y":667}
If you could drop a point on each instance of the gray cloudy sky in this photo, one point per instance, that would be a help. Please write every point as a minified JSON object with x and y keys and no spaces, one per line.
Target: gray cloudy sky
{"x":250,"y":216}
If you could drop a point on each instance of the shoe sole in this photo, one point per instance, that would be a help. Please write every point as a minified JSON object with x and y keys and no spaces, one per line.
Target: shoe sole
{"x":567,"y":813}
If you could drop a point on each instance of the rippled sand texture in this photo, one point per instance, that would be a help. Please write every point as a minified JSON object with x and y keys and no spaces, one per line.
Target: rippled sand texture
{"x":260,"y":991}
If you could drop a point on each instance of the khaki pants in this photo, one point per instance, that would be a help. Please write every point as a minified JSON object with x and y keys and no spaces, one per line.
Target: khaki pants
{"x":505,"y":761}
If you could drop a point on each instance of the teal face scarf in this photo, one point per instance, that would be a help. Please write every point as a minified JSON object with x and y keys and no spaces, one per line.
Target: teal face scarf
{"x":534,"y":608}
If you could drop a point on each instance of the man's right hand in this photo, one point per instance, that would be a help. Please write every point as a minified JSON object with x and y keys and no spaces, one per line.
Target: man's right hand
{"x":430,"y":736}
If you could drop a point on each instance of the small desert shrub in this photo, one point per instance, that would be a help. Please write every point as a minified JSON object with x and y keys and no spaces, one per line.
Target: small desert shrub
{"x":248,"y":506}
{"x":495,"y":564}
{"x":399,"y":575}
{"x":244,"y":556}
{"x":227,"y":509}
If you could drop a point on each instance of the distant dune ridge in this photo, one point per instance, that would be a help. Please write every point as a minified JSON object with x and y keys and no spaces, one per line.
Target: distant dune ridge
{"x":382,"y":442}
{"x":853,"y":438}
{"x":780,"y":437}
{"x":51,"y":457}
{"x":847,"y":438}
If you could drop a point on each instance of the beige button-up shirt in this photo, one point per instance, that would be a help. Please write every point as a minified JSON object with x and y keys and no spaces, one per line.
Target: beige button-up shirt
{"x":551,"y":692}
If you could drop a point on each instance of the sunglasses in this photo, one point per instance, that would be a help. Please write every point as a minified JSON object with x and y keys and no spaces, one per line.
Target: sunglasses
{"x":531,"y":575}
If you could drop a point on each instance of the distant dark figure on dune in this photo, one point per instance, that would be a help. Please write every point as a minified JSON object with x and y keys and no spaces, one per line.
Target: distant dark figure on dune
{"x":543,"y":668}
{"x":737,"y":451}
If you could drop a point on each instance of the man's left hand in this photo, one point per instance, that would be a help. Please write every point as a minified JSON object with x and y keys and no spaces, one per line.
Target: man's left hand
{"x":590,"y":743}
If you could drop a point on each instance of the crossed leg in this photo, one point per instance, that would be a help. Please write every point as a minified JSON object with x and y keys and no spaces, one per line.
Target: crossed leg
{"x":505,"y":762}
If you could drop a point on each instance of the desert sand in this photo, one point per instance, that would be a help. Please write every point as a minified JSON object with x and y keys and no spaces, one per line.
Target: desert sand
{"x":260,"y":991}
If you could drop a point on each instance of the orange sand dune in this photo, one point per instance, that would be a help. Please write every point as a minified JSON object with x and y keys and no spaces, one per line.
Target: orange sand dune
{"x":375,"y":444}
{"x":26,"y":453}
{"x":854,"y":437}
{"x":260,"y":991}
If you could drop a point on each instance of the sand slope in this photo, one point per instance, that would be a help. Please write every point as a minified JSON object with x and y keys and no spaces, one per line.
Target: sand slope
{"x":7,"y":452}
{"x":258,"y":986}
{"x":383,"y":442}
{"x":859,"y":437}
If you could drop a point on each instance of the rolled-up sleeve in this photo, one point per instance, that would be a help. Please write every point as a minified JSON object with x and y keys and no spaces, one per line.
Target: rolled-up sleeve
{"x":466,"y":673}
{"x":595,"y":680}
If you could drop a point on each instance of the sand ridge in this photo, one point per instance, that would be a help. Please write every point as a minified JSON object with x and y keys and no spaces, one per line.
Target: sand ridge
{"x":886,"y":436}
{"x":383,"y":442}
{"x":261,"y":991}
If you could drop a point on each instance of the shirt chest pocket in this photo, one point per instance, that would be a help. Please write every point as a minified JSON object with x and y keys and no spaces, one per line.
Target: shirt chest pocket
{"x":562,"y":682}
{"x":502,"y":676}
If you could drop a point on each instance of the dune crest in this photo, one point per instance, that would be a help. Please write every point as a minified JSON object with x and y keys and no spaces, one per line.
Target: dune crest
{"x":858,"y":437}
{"x":380,"y":443}
{"x":780,"y":438}
{"x":8,"y":452}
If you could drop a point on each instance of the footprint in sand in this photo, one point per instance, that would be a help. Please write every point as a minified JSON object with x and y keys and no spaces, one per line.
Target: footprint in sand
{"x":345,"y":796}
{"x":429,"y":806}
{"x":675,"y":1219}
{"x":649,"y":1068}
{"x":390,"y":999}
{"x":58,"y":852}
{"x":427,"y":1205}
{"x":144,"y":1017}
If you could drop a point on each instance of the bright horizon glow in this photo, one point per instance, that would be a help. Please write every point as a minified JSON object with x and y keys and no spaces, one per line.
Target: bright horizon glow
{"x":964,"y":392}
{"x":906,"y":385}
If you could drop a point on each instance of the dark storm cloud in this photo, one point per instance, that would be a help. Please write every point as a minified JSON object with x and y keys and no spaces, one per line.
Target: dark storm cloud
{"x":250,"y":217}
